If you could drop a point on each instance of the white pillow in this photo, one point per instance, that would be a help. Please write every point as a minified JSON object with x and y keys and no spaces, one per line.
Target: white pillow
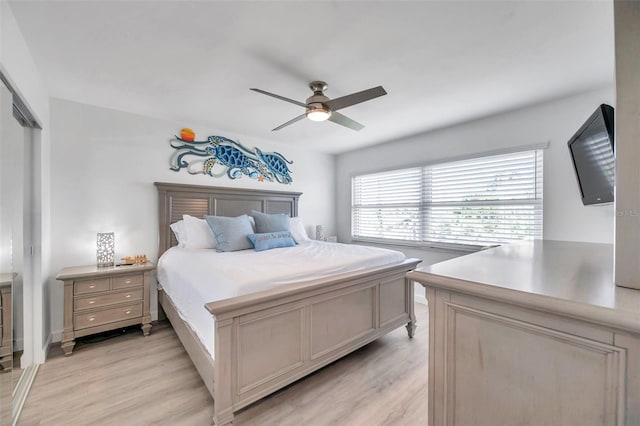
{"x":199,"y":234}
{"x":180,"y":232}
{"x":296,"y":227}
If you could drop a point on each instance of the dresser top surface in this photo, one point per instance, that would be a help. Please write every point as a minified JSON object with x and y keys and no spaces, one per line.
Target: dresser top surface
{"x":572,"y":275}
{"x":6,"y":278}
{"x":90,"y":271}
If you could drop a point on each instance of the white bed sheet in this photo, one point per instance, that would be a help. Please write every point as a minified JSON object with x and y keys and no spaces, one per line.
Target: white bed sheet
{"x":193,"y":277}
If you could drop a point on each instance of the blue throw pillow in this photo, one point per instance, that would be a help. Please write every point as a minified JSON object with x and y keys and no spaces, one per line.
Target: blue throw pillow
{"x":271,"y":240}
{"x":230,"y":232}
{"x":270,"y":222}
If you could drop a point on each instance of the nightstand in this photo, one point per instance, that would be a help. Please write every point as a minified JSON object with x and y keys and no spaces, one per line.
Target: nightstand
{"x":98,"y":299}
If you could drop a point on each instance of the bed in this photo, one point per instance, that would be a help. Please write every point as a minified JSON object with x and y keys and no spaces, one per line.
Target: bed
{"x":267,"y":339}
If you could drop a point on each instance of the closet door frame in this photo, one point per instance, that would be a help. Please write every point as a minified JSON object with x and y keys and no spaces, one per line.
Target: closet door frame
{"x":31,"y":169}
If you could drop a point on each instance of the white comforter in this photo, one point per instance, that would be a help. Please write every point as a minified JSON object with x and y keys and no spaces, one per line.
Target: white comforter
{"x":193,"y":277}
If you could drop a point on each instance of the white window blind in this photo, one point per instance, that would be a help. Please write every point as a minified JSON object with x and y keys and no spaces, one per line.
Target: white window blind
{"x":477,"y":202}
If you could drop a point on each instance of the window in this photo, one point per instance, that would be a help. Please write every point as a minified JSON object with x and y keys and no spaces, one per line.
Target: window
{"x":462,"y":204}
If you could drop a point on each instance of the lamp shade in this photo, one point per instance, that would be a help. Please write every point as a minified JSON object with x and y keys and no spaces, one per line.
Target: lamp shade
{"x":105,"y":249}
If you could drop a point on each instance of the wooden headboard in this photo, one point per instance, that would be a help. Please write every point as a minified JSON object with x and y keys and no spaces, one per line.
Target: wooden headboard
{"x":174,"y":200}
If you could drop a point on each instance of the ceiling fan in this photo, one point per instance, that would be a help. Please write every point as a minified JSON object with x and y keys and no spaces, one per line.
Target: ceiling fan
{"x":320,"y":108}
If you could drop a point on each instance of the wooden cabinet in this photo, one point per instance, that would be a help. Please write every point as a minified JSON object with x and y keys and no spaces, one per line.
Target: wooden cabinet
{"x":101,"y":299}
{"x":6,"y":333}
{"x":532,"y":333}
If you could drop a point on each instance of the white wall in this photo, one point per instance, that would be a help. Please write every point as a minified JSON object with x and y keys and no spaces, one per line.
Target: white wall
{"x":565,"y":218}
{"x":17,"y":65}
{"x":104,"y":163}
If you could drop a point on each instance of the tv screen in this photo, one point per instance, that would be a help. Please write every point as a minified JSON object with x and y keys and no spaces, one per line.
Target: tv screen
{"x":592,"y":152}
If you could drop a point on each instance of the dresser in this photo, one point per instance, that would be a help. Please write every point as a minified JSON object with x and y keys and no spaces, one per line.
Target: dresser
{"x":533,"y":333}
{"x":98,"y":299}
{"x":6,"y":332}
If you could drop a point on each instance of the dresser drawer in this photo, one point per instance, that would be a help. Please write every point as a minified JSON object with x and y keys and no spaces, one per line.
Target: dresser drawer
{"x":83,"y":303}
{"x":91,"y":286}
{"x":106,"y":316}
{"x":126,"y":281}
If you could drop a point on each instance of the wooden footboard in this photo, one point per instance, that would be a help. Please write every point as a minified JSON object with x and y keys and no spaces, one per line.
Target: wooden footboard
{"x":266,"y":340}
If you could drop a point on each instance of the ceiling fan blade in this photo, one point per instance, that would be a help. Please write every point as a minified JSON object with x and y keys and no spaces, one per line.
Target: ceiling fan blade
{"x":293,"y":120}
{"x":345,"y":121}
{"x":355,"y":98}
{"x":282,"y":98}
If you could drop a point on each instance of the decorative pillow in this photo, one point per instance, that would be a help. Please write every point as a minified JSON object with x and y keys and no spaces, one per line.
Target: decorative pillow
{"x":198,"y":233}
{"x":270,"y":222}
{"x":230,"y":232}
{"x":271,"y":240}
{"x":297,"y":230}
{"x":180,"y":232}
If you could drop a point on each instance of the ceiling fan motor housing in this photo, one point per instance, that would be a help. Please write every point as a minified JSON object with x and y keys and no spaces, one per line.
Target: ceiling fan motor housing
{"x":315,"y":103}
{"x":318,"y":98}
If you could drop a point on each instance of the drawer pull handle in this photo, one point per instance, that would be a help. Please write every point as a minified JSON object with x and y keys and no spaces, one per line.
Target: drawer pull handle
{"x":91,"y":302}
{"x":127,"y":312}
{"x":127,"y":282}
{"x":92,"y":318}
{"x":92,"y":286}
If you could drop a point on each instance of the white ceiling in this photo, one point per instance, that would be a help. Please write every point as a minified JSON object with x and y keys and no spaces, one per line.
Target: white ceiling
{"x":441,"y":62}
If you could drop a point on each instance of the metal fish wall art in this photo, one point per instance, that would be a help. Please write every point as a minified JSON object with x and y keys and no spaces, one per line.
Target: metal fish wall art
{"x":219,"y":156}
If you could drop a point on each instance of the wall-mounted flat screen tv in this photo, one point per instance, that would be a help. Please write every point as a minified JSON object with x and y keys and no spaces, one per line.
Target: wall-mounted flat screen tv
{"x":592,"y":152}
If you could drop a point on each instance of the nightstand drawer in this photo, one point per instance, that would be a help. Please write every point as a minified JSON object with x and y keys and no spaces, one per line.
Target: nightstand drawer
{"x":91,"y":286}
{"x":108,"y":315}
{"x":127,"y":281}
{"x":133,"y":295}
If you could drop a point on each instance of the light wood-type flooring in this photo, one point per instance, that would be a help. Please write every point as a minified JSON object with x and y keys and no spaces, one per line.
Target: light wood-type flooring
{"x":132,"y":380}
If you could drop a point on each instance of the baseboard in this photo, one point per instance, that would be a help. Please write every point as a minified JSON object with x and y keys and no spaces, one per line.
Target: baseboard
{"x":419,"y":298}
{"x":21,"y":391}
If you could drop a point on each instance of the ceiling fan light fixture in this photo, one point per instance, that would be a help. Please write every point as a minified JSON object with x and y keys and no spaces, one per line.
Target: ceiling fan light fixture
{"x":318,"y":112}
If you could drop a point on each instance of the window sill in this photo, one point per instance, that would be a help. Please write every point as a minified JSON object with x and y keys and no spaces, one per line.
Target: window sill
{"x":446,"y":248}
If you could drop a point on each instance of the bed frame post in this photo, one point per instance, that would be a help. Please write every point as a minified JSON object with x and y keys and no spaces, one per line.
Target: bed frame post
{"x":222,"y":382}
{"x":412,"y":324}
